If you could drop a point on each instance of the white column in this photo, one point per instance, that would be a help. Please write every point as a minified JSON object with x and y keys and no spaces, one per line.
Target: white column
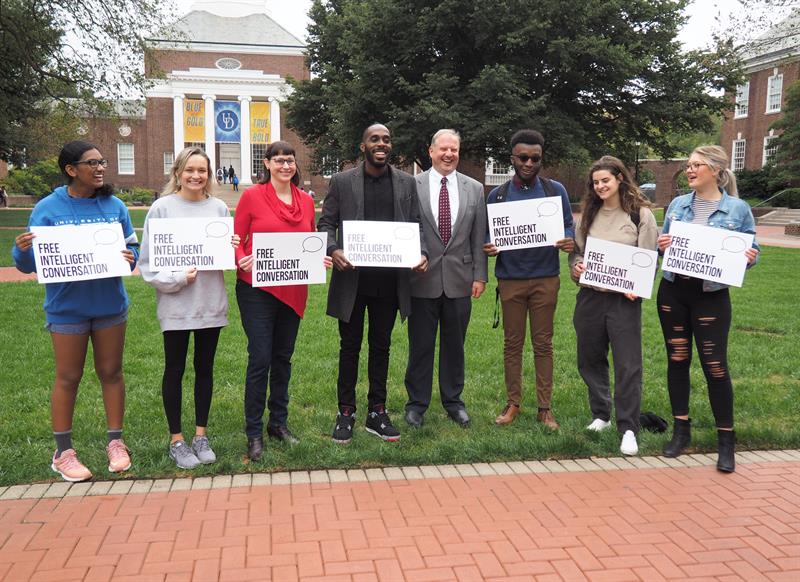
{"x":177,"y":124}
{"x":274,"y":119}
{"x":244,"y":141}
{"x":210,"y":142}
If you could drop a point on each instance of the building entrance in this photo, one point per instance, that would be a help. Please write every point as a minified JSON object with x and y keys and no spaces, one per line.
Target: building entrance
{"x":230,"y":154}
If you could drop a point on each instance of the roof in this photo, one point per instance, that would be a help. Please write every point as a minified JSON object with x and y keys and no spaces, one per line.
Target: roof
{"x":203,"y":27}
{"x":779,"y":42}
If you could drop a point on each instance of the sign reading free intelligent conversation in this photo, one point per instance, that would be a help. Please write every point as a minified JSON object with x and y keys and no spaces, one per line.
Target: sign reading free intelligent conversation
{"x":178,"y":244}
{"x":79,"y":252}
{"x":714,"y":254}
{"x":377,"y":243}
{"x":288,"y":258}
{"x":618,"y":267}
{"x":524,"y":224}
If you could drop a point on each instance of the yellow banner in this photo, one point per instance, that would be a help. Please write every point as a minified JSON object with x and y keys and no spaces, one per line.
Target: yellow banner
{"x":259,"y":122}
{"x":194,"y":120}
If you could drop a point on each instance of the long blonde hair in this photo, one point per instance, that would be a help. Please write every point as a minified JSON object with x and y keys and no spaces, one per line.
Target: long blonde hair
{"x":717,"y":160}
{"x":174,"y":183}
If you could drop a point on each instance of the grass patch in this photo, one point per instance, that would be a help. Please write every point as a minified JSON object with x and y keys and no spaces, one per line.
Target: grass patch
{"x":765,"y":375}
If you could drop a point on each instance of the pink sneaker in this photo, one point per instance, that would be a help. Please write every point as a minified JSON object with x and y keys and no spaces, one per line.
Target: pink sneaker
{"x":69,"y":467}
{"x":118,"y":458}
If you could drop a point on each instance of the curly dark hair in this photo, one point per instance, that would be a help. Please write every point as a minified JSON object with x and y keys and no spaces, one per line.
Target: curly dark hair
{"x":631,"y":198}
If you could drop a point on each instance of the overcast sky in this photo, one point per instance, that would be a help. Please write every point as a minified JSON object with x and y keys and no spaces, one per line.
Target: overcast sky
{"x":705,"y":16}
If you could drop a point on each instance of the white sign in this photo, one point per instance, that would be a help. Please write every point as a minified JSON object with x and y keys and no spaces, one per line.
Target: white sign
{"x":618,"y":267}
{"x":79,"y":252}
{"x":377,"y":243}
{"x":525,"y":224}
{"x":177,"y":244}
{"x":288,"y":258}
{"x":714,"y":254}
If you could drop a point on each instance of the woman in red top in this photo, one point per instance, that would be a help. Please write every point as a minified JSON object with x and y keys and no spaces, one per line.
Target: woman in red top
{"x":270,"y":315}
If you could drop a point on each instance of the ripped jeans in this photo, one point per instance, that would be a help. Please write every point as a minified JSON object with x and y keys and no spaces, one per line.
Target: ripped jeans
{"x":687,"y":312}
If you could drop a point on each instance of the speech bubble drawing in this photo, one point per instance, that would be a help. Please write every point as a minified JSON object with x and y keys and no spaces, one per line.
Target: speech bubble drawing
{"x":734,"y":244}
{"x":106,"y":236}
{"x":404,"y":233}
{"x":312,"y":244}
{"x":547,"y":209}
{"x":216,"y":229}
{"x":642,"y":260}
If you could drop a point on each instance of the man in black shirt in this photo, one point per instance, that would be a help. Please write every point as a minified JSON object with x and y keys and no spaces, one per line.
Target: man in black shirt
{"x":373,"y":190}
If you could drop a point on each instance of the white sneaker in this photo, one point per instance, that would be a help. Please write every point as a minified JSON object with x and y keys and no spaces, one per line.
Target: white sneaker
{"x":628,"y":445}
{"x":599,"y":424}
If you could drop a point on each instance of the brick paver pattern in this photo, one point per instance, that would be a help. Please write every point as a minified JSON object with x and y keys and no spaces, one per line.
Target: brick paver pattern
{"x":646,"y":524}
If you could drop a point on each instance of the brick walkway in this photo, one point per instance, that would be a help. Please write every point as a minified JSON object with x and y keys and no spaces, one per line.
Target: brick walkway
{"x":568,"y":520}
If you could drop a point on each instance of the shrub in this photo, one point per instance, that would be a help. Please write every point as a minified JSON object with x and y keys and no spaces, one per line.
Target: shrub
{"x":136,"y":196}
{"x":761,"y":183}
{"x":789,"y":198}
{"x":24,"y":182}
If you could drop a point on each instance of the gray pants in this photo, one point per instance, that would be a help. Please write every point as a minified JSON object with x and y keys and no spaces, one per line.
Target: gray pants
{"x":603,"y":319}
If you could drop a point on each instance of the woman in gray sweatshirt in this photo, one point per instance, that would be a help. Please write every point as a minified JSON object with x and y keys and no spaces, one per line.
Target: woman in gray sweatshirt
{"x":188,"y":301}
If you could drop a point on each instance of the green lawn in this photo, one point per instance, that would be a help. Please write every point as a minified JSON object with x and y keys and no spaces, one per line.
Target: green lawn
{"x":766,"y":378}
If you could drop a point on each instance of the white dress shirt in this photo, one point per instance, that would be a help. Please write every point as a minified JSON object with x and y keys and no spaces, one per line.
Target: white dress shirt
{"x":435,"y":181}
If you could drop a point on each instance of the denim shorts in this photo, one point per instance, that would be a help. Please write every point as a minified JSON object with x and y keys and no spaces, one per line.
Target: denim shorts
{"x":87,"y":326}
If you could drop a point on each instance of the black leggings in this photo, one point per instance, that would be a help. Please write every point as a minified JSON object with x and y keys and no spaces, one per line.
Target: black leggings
{"x":176,"y":346}
{"x":685,"y":310}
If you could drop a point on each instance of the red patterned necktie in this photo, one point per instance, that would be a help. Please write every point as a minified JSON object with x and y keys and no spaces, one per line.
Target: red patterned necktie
{"x":444,"y":213}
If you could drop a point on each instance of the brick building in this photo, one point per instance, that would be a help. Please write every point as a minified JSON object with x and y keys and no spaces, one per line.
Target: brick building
{"x":218,"y":82}
{"x":772,"y":64}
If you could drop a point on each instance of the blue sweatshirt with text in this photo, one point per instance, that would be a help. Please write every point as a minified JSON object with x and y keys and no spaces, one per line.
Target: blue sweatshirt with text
{"x":79,"y":301}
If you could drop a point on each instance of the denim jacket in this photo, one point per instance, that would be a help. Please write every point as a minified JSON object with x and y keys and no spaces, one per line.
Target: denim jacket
{"x":732,"y":214}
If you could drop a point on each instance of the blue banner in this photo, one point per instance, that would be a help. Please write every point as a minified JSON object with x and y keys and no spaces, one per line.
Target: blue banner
{"x":227,"y":122}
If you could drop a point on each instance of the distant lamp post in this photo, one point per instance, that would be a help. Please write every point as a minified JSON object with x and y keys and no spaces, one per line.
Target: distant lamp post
{"x":636,"y":161}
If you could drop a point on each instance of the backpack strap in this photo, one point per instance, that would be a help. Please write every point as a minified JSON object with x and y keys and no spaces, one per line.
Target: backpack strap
{"x":635,"y":218}
{"x":502,"y":192}
{"x":547,"y":186}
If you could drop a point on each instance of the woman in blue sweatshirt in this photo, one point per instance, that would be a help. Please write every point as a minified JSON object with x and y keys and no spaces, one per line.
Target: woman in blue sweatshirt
{"x":82,"y":310}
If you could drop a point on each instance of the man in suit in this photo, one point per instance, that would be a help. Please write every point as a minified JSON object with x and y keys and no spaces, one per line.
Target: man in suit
{"x":373,"y":190}
{"x":454,"y":226}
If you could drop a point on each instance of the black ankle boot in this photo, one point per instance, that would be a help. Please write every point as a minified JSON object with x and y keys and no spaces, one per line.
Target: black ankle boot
{"x":726,"y":462}
{"x":681,"y":436}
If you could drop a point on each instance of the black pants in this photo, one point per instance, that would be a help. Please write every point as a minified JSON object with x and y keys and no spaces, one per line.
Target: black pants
{"x":687,"y":312}
{"x":451,"y":318}
{"x":176,"y":346}
{"x":271,"y":327}
{"x":382,"y":313}
{"x":610,"y":319}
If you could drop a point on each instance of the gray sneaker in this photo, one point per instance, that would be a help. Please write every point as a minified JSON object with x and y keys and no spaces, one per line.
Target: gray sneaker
{"x":182,"y":455}
{"x":202,"y":449}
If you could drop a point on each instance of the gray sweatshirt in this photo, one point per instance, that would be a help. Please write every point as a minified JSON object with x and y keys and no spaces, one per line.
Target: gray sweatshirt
{"x":181,"y":305}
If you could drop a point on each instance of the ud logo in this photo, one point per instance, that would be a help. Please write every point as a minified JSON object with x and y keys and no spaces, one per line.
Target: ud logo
{"x":227,"y":121}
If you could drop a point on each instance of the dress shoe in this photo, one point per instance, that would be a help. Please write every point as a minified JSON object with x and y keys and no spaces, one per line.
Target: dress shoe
{"x":508,"y":415}
{"x":545,"y":416}
{"x":281,"y":433}
{"x":255,"y":448}
{"x":460,"y":417}
{"x":414,"y":418}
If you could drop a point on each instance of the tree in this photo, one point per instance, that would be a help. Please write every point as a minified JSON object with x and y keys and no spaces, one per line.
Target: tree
{"x":594,"y":76}
{"x":787,"y":156}
{"x":74,"y":52}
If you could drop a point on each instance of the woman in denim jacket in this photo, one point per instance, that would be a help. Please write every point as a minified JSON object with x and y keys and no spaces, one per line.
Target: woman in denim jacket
{"x":695,"y":308}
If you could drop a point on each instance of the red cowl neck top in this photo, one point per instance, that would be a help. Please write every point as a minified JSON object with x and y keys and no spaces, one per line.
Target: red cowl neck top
{"x":260,"y":210}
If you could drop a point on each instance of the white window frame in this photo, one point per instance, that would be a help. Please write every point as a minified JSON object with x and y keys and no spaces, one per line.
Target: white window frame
{"x":169,"y":159}
{"x":258,"y":152}
{"x":742,"y":106}
{"x":494,"y":172}
{"x":124,"y":157}
{"x":769,"y":151}
{"x":737,"y":160}
{"x":774,"y":93}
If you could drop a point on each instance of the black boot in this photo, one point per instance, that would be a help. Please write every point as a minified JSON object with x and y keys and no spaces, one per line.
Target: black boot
{"x":681,"y":435}
{"x":255,"y":448}
{"x":726,"y":462}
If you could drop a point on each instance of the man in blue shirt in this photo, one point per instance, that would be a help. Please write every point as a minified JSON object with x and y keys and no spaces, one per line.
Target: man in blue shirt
{"x":528,"y":281}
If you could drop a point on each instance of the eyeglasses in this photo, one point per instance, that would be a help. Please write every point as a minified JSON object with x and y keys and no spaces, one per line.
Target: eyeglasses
{"x":92,"y":163}
{"x":283,"y":161}
{"x":694,"y":166}
{"x":524,"y":158}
